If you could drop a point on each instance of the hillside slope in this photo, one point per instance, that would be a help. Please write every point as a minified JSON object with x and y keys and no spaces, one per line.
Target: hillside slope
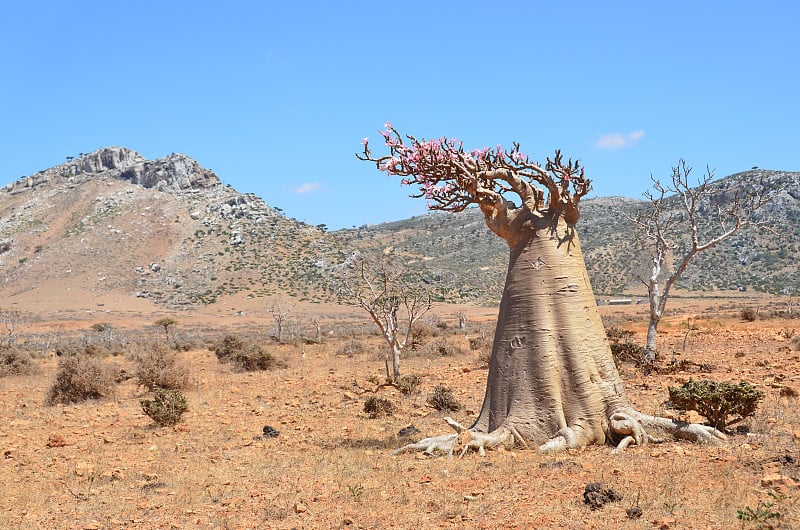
{"x":111,"y":226}
{"x":167,"y":231}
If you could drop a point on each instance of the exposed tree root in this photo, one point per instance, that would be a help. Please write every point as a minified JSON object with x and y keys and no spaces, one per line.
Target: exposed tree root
{"x":464,"y":440}
{"x":624,"y":429}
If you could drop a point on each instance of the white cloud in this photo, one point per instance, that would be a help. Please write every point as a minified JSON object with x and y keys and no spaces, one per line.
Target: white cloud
{"x":614,"y":141}
{"x":306,"y":187}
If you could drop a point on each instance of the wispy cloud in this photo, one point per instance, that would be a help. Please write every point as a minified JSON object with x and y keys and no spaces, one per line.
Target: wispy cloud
{"x":306,"y":187}
{"x":615,"y":140}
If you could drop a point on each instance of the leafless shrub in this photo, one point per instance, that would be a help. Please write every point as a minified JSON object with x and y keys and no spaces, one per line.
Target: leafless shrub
{"x":623,"y":348}
{"x":16,"y":361}
{"x":351,"y":347}
{"x":73,"y":348}
{"x":375,"y":407}
{"x":442,"y":398}
{"x":82,"y":377}
{"x":748,"y":314}
{"x":409,"y":384}
{"x":158,"y":366}
{"x":421,"y":334}
{"x":441,"y":347}
{"x":485,"y":358}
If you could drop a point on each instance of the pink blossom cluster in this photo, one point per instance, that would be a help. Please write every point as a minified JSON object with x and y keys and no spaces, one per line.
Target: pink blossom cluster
{"x":439,"y":166}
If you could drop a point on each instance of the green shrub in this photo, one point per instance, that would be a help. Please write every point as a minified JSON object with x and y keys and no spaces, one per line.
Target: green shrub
{"x":443,"y":398}
{"x":376,"y":407}
{"x":717,"y":401}
{"x":158,"y":366}
{"x":16,"y":361}
{"x":166,"y":408}
{"x":81,"y":377}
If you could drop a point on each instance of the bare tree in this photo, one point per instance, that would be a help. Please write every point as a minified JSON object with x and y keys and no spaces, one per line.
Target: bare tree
{"x":12,"y":322}
{"x":462,"y":320}
{"x":106,"y":331}
{"x":674,"y":234}
{"x":552,"y":380}
{"x":392,"y":303}
{"x":280,"y":309}
{"x":317,"y":328}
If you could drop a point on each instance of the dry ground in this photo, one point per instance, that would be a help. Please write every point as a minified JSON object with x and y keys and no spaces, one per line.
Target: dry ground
{"x":331,"y":466}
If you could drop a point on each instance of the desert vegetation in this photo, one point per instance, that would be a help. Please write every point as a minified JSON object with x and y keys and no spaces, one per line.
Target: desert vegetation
{"x":107,"y":451}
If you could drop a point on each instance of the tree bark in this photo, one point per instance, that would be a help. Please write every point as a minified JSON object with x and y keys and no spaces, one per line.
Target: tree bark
{"x":651,"y":346}
{"x":551,"y":368}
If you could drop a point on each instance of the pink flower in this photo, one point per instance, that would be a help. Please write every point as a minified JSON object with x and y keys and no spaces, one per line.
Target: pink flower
{"x":365,"y":141}
{"x":388,"y":125}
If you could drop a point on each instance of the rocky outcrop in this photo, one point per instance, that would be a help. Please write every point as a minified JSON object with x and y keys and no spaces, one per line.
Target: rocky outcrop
{"x":108,"y":158}
{"x":175,"y":172}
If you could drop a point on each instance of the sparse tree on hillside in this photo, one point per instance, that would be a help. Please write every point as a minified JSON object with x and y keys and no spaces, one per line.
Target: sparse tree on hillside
{"x":166,"y":323}
{"x":675,"y":238}
{"x":392,"y":304}
{"x":552,"y":380}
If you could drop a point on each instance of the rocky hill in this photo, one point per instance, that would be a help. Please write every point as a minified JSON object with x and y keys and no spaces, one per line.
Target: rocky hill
{"x":111,"y":225}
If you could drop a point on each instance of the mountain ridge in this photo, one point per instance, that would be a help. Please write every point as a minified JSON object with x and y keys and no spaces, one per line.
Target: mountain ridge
{"x":112,"y":225}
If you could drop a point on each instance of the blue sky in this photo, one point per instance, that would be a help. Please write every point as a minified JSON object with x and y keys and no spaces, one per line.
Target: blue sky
{"x":275,"y":97}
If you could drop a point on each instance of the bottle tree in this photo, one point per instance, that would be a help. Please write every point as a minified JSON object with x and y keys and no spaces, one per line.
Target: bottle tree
{"x":552,"y":381}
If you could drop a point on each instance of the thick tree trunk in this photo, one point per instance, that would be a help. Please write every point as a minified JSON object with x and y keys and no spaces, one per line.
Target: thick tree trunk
{"x":552,"y":380}
{"x":551,"y":367}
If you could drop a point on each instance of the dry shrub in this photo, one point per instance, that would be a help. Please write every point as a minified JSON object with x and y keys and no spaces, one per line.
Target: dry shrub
{"x":409,"y":384}
{"x":375,"y":407}
{"x":748,"y":314}
{"x":421,"y":334}
{"x":16,"y":361}
{"x":159,"y":366}
{"x":623,"y":349}
{"x":81,"y":377}
{"x":245,"y":355}
{"x":351,"y":347}
{"x":72,"y":349}
{"x":796,"y":343}
{"x":442,"y":398}
{"x":166,"y":408}
{"x":483,"y":345}
{"x":441,"y":347}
